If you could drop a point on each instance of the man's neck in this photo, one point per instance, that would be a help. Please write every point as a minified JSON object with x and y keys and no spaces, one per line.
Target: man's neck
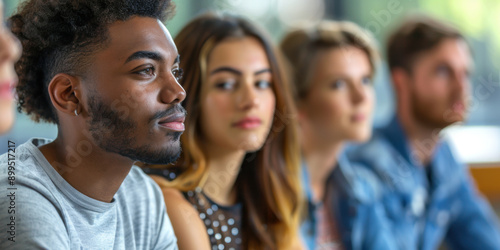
{"x":86,"y":167}
{"x":422,"y":139}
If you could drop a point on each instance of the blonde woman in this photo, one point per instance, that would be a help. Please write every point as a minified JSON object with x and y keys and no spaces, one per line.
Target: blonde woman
{"x":333,"y":64}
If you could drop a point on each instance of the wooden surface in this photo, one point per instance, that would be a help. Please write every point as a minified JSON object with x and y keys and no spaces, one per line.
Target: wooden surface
{"x":487,"y":177}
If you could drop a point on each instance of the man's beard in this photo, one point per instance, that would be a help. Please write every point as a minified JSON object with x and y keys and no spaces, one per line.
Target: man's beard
{"x":116,"y":134}
{"x":425,"y":113}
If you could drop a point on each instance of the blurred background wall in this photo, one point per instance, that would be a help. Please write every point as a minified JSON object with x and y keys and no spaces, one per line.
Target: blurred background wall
{"x":477,"y":141}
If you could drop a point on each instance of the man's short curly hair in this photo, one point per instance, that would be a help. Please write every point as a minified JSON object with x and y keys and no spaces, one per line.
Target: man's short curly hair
{"x":58,"y":36}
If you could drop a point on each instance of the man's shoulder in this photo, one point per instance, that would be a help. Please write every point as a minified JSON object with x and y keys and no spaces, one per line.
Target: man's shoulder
{"x":447,"y":157}
{"x":31,"y":202}
{"x":22,"y":167}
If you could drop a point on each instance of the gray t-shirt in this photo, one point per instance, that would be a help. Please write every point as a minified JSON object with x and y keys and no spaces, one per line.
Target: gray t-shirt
{"x":43,"y":211}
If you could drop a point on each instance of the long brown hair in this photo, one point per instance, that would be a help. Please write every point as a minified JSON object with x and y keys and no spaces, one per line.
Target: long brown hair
{"x":268,"y":183}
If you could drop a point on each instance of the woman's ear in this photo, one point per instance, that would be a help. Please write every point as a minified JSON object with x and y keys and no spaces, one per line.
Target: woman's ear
{"x":65,"y":94}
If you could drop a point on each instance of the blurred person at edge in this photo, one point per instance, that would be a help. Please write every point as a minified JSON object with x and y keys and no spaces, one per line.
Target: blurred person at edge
{"x":239,"y":185}
{"x":428,"y":194}
{"x":81,"y":190}
{"x":333,"y":65}
{"x":10,"y":50}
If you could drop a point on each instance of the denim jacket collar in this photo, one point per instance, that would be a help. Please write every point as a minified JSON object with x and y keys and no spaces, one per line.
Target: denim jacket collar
{"x":443,"y":164}
{"x":395,"y":134}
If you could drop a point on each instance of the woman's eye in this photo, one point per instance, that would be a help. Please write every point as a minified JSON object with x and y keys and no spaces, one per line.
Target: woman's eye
{"x":263,"y":84}
{"x":367,"y":81}
{"x":227,"y":85}
{"x":178,"y":73}
{"x":338,"y":84}
{"x":443,"y":71}
{"x":149,"y":71}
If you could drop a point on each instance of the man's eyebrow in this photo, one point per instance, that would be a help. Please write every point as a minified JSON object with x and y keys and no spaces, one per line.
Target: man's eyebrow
{"x":144,"y":54}
{"x":177,"y":59}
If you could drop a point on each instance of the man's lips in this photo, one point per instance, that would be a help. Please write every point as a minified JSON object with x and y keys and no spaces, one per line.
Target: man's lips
{"x":458,"y":107}
{"x":248,"y":123}
{"x":173,"y":122}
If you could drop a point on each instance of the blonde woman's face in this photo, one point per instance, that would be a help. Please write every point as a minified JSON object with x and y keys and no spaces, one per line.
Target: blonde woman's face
{"x":340,"y":101}
{"x":9,"y":53}
{"x":237,"y":99}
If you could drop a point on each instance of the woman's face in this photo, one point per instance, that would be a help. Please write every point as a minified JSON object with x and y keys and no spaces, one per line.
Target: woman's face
{"x":9,"y":53}
{"x":340,"y":101}
{"x":237,"y":99}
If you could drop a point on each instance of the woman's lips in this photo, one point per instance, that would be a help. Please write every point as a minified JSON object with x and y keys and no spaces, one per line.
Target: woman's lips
{"x":248,"y":123}
{"x":358,"y":118}
{"x":7,"y":89}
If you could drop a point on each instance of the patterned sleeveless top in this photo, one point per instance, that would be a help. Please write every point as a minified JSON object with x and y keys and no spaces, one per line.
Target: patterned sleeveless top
{"x":223,"y":223}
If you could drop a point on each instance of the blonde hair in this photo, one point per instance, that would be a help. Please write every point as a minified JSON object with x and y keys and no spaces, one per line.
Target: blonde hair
{"x":302,"y":45}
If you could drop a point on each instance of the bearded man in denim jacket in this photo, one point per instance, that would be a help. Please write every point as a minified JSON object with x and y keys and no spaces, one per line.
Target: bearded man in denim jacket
{"x":427,"y":194}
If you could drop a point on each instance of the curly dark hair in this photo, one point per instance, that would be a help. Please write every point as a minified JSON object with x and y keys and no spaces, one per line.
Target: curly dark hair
{"x":59,"y":36}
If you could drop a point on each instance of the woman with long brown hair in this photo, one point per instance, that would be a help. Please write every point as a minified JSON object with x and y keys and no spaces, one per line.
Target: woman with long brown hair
{"x":237,"y":185}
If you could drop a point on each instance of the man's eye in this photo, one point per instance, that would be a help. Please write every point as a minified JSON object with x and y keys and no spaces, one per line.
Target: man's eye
{"x":149,"y":71}
{"x":178,"y":73}
{"x":443,"y":71}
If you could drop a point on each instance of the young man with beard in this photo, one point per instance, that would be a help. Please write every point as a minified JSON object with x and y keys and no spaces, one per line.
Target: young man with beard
{"x":427,"y":193}
{"x":106,"y":73}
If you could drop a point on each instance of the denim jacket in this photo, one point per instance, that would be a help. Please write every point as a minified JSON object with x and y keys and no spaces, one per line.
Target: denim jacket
{"x":427,"y":205}
{"x":353,"y":204}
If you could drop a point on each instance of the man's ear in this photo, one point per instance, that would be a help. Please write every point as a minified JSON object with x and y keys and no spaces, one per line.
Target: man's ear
{"x":65,"y":93}
{"x":400,"y":80}
{"x":301,"y":111}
